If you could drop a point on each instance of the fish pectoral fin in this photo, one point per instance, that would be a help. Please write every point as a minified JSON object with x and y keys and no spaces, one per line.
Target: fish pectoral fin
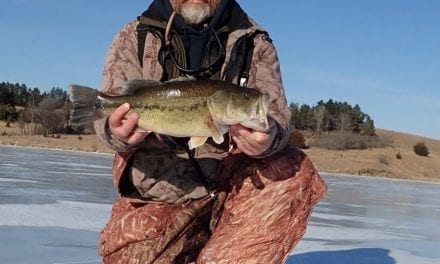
{"x":217,"y":134}
{"x":195,"y":142}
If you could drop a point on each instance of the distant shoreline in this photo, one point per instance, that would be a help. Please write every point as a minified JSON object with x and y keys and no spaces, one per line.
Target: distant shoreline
{"x":58,"y":149}
{"x":378,"y":162}
{"x":321,"y":172}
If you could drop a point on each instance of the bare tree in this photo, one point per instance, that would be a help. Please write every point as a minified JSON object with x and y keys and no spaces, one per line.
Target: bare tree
{"x":344,"y":122}
{"x":320,"y":114}
{"x":52,"y":115}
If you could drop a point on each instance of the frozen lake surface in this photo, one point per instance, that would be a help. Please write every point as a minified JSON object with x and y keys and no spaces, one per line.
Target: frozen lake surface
{"x":54,"y":203}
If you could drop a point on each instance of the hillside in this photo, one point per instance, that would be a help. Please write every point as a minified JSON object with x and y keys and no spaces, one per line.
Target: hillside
{"x":383,"y":161}
{"x":374,"y":162}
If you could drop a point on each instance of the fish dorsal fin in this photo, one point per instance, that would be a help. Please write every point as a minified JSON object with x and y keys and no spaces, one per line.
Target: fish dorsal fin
{"x":130,"y":87}
{"x":182,"y":79}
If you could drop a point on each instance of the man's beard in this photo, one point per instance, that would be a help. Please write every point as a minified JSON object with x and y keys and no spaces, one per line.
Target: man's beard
{"x":195,"y":14}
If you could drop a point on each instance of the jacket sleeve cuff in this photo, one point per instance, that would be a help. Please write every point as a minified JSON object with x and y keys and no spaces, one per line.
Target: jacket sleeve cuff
{"x":278,"y":143}
{"x":104,"y":134}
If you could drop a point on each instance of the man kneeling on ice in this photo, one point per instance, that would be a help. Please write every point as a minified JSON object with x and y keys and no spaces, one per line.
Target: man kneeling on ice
{"x":237,"y":195}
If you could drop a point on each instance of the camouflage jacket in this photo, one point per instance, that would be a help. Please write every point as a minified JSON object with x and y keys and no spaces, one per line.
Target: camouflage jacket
{"x":155,"y":172}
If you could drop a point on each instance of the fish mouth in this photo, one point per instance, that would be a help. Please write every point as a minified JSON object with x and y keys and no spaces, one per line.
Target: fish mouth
{"x":264,"y":105}
{"x":258,"y":118}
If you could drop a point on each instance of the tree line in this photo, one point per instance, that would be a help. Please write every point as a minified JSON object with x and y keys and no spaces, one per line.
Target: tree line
{"x":48,"y":112}
{"x":36,"y":112}
{"x":331,"y":116}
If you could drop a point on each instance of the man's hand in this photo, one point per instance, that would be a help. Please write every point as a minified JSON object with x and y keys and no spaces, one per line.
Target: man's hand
{"x":251,"y":142}
{"x":122,"y":126}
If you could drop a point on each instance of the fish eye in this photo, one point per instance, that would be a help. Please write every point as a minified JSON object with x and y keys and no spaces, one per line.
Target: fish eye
{"x":247,"y":95}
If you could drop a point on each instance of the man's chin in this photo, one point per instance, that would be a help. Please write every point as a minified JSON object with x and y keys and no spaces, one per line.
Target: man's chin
{"x":195,"y":13}
{"x":197,"y":1}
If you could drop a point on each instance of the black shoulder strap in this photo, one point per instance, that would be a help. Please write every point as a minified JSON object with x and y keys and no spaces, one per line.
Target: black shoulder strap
{"x":247,"y":60}
{"x":248,"y":51}
{"x":146,"y":25}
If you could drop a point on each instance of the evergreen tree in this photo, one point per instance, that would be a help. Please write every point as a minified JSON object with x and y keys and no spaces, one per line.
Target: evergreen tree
{"x":331,"y":116}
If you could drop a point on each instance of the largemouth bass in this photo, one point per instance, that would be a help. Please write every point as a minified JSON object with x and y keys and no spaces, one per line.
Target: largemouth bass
{"x":198,"y":109}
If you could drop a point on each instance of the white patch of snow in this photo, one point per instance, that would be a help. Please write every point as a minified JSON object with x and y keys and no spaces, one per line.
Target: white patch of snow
{"x":67,"y":214}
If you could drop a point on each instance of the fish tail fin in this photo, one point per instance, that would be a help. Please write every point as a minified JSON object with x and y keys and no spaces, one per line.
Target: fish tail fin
{"x":86,"y":104}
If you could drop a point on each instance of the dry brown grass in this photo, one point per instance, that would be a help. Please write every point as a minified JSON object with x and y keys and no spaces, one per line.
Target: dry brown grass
{"x":372,"y":161}
{"x":347,"y":140}
{"x":12,"y":136}
{"x":383,"y":161}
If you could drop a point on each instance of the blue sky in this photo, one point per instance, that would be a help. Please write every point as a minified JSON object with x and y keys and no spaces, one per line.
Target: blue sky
{"x":381,"y":54}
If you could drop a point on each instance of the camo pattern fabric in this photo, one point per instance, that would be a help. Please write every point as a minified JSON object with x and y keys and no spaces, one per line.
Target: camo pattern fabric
{"x":169,"y":178}
{"x":142,"y":233}
{"x":258,"y":203}
{"x":266,"y":211}
{"x":262,"y":205}
{"x":122,"y":64}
